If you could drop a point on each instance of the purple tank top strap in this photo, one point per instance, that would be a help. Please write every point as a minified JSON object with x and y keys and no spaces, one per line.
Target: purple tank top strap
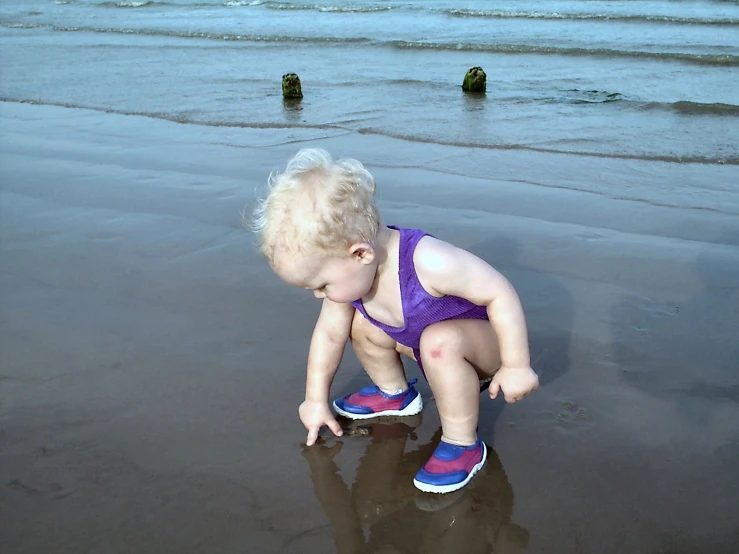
{"x":410,"y":286}
{"x":409,"y":239}
{"x":411,"y":290}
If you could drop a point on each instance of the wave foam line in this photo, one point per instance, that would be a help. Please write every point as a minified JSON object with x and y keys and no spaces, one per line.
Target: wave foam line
{"x":628,"y":18}
{"x":686,"y":107}
{"x":706,"y":160}
{"x":338,"y":8}
{"x":188,"y":34}
{"x":175,"y":118}
{"x":698,"y":59}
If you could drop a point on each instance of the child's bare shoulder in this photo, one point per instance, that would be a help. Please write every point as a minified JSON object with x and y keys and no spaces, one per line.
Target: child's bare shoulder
{"x":434,"y":261}
{"x":433,"y":254}
{"x":446,"y":269}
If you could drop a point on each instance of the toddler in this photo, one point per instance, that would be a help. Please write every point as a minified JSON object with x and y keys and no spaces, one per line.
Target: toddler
{"x":393,"y":291}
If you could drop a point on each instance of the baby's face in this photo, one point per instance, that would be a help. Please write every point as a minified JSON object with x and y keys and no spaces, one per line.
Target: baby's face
{"x":341,"y":279}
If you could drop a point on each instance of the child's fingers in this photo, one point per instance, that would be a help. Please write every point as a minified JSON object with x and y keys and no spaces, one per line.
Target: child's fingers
{"x":494,"y":389}
{"x":312,"y":436}
{"x":335,"y":427}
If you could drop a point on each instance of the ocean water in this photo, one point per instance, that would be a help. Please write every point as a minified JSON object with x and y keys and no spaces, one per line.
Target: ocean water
{"x":634,"y":79}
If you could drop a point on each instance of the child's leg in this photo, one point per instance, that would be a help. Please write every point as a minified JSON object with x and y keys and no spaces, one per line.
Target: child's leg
{"x":378,"y":354}
{"x":456,"y":354}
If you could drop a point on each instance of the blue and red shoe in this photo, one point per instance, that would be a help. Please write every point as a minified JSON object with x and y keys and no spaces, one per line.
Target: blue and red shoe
{"x":451,"y":467}
{"x":372,"y":402}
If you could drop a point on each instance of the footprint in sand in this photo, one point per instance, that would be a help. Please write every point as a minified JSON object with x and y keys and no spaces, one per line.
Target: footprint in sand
{"x":571,"y":413}
{"x":568,"y":416}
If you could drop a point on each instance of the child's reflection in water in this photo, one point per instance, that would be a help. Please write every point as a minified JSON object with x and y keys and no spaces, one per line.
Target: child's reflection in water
{"x":384,"y":513}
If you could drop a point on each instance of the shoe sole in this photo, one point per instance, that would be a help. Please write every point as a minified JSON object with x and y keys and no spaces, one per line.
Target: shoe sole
{"x":441,"y":489}
{"x":413,"y":408}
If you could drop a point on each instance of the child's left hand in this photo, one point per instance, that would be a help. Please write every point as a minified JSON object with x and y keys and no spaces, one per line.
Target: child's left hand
{"x":515,"y":382}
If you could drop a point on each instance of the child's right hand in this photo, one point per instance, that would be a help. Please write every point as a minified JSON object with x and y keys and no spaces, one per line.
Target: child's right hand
{"x":315,"y":415}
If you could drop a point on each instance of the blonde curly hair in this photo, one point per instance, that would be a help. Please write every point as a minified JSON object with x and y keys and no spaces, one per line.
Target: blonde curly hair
{"x":316,"y":204}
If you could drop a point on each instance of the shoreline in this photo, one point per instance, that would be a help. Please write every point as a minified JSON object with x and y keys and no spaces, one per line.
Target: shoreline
{"x":291,"y":123}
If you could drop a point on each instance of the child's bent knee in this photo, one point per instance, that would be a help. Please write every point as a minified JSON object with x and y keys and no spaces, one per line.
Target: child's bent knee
{"x":441,"y":337}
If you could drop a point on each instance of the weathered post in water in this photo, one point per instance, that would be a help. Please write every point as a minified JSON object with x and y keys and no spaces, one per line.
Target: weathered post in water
{"x":291,"y":86}
{"x":475,"y":80}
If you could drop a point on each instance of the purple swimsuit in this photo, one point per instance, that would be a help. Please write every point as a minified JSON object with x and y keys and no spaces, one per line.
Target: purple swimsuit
{"x":420,"y":309}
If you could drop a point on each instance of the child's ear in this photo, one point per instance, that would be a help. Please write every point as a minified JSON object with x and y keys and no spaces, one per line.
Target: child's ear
{"x":362,"y":252}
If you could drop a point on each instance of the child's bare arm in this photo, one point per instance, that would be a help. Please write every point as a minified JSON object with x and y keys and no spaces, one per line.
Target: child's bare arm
{"x":326,"y":350}
{"x":445,"y":269}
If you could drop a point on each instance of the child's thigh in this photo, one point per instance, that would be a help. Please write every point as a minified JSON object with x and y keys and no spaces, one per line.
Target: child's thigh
{"x":472,"y":339}
{"x":373,"y":337}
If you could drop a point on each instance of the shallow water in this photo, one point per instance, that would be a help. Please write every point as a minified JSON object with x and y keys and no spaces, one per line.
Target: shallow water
{"x":635,"y":79}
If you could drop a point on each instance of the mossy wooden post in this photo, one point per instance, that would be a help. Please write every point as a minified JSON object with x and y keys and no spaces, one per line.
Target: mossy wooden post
{"x":291,"y":86}
{"x":474,"y":80}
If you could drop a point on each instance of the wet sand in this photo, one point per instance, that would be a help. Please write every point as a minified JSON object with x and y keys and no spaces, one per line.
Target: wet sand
{"x":151,"y":365}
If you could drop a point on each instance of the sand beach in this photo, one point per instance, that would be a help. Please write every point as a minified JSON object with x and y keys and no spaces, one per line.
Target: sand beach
{"x":151,"y":364}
